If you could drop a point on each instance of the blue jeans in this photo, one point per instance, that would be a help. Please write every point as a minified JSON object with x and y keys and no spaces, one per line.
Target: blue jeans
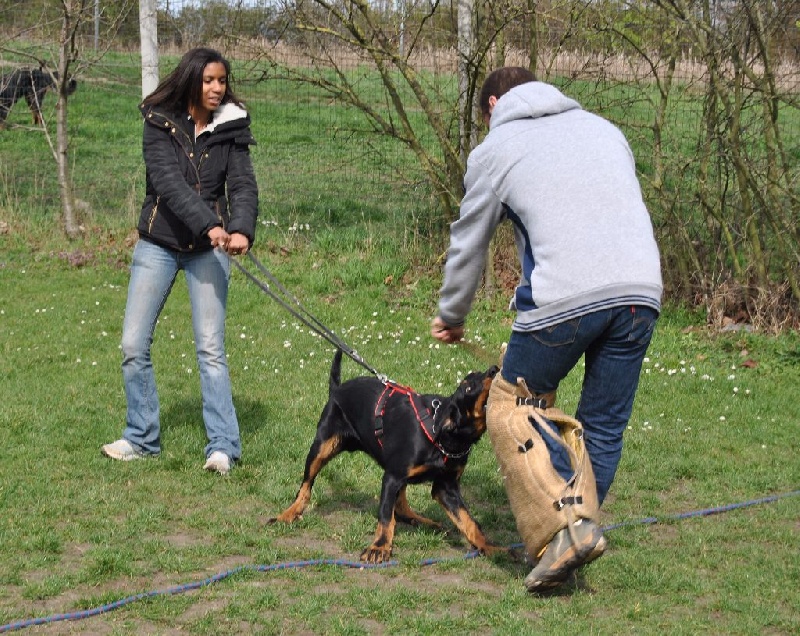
{"x":153,"y":273}
{"x":614,"y":342}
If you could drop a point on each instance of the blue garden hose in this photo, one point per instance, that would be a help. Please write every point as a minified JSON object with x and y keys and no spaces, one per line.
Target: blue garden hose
{"x":186,"y":587}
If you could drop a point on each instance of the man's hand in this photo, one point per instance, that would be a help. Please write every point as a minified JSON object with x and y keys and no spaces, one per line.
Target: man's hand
{"x":446,"y":333}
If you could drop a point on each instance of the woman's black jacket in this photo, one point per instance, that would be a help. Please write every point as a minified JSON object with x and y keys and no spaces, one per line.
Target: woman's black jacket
{"x":187,"y":178}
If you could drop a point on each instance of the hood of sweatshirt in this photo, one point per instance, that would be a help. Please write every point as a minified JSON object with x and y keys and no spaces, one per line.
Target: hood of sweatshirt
{"x":530,"y":100}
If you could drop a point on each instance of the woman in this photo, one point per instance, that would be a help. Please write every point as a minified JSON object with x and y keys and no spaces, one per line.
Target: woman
{"x":200,"y":206}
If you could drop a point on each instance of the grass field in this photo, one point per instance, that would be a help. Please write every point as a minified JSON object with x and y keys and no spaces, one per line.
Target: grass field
{"x":716,"y":422}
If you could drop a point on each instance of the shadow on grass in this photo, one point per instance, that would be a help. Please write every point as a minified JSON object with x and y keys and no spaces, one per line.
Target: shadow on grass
{"x":187,"y":413}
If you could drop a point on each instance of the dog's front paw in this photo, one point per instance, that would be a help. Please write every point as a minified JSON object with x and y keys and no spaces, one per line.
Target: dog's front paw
{"x":492,"y":550}
{"x":376,"y":554}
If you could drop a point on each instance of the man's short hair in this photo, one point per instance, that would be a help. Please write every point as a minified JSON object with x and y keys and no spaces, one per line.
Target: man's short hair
{"x":499,"y":82}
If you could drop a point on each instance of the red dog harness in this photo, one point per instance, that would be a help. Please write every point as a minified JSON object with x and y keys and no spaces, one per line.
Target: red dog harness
{"x":425,"y":417}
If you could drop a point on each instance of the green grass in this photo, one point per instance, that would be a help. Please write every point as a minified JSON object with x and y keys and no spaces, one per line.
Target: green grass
{"x":79,"y":531}
{"x":716,"y":422}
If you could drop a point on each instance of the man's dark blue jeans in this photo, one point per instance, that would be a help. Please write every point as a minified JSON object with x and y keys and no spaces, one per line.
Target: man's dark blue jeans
{"x":614,"y":342}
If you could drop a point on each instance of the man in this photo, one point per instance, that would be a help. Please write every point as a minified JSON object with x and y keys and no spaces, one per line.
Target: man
{"x":590,"y":286}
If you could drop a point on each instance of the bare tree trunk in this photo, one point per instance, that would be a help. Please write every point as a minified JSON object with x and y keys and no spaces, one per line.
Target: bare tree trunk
{"x":533,"y":36}
{"x":66,"y":55}
{"x":148,"y":36}
{"x":500,"y":45}
{"x":466,"y":47}
{"x":71,"y":226}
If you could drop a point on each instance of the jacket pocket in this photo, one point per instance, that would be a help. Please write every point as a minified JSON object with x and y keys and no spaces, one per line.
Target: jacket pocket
{"x":153,"y":215}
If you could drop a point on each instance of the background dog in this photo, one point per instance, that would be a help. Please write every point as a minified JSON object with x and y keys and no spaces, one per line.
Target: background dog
{"x":415,"y":438}
{"x":32,"y":84}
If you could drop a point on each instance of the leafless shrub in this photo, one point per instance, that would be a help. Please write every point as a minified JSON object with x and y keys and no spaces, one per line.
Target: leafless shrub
{"x":731,"y":305}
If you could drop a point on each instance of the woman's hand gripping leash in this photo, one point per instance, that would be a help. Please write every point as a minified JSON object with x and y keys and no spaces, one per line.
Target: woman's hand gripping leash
{"x":233,"y":244}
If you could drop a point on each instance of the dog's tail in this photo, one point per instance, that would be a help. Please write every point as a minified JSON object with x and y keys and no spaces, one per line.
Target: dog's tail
{"x":336,"y":368}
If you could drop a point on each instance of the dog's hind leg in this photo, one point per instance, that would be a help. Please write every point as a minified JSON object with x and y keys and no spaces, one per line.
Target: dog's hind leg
{"x":448,"y":494}
{"x":405,"y":514}
{"x":320,"y":454}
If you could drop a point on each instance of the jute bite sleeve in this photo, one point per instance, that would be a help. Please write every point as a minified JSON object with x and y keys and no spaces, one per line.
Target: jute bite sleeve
{"x":542,"y":501}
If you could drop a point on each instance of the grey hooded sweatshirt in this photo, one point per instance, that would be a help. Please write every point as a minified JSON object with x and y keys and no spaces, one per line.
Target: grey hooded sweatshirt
{"x":567,"y":181}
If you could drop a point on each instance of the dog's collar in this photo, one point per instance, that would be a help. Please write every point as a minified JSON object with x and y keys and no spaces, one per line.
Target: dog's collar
{"x":425,"y":418}
{"x":433,"y":436}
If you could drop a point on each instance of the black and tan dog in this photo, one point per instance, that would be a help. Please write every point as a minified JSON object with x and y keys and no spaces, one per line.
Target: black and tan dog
{"x":31,"y":84}
{"x":415,"y":438}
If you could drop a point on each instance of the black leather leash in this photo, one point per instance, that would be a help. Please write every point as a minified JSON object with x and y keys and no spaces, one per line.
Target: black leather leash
{"x":269,"y":284}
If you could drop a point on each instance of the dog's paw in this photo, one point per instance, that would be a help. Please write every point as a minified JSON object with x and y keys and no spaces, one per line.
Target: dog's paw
{"x":375,"y":554}
{"x":284,"y":517}
{"x":492,"y":550}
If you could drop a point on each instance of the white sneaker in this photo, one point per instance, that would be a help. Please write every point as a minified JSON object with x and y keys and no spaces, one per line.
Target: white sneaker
{"x":122,"y":449}
{"x":219,"y":462}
